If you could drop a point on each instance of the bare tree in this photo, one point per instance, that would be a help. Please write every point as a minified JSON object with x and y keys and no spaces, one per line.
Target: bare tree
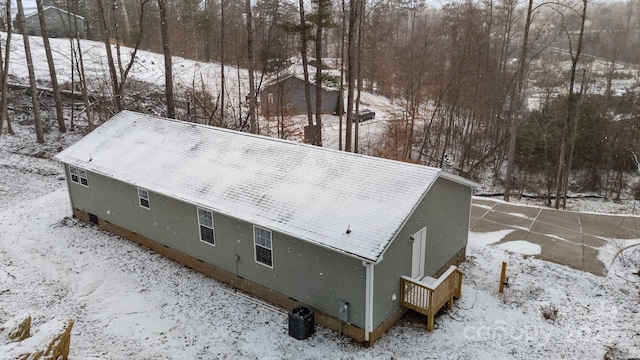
{"x":78,"y":62}
{"x":342,"y":43}
{"x":354,"y":16}
{"x":635,"y":160}
{"x":515,"y":104}
{"x":106,"y":38}
{"x":4,"y":68}
{"x":323,"y":20}
{"x":305,"y":63}
{"x":125,"y":69}
{"x":168,"y":68}
{"x":252,"y":86}
{"x":52,"y":68}
{"x":222,"y":61}
{"x":127,"y":24}
{"x":564,"y":162}
{"x":32,"y":76}
{"x":356,"y":135}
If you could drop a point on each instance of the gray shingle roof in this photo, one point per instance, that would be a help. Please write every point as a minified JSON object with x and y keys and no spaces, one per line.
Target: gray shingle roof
{"x":311,"y":193}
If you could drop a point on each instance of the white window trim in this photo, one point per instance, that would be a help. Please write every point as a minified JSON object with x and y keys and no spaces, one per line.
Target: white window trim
{"x":255,"y":254}
{"x":80,"y":177}
{"x":77,"y":181}
{"x":140,"y":198}
{"x":270,"y":98}
{"x":213,"y":227}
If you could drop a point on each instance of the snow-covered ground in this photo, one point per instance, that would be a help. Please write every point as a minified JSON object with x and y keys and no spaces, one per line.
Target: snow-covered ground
{"x":148,"y":67}
{"x":130,"y":303}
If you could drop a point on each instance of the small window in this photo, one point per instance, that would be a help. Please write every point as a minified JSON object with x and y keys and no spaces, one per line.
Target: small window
{"x":84,"y":180}
{"x":270,"y":98}
{"x":74,"y":174}
{"x":205,"y":220}
{"x":143,"y":196}
{"x":263,"y":246}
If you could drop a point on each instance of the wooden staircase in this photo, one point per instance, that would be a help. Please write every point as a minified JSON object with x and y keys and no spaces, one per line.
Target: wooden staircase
{"x":429,"y":295}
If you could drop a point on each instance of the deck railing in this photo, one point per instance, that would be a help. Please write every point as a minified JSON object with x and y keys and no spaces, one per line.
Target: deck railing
{"x":429,"y":295}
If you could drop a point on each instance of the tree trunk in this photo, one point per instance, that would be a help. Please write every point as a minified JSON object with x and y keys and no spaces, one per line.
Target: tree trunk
{"x":4,"y":114}
{"x":106,"y":38}
{"x":168,"y":68}
{"x":563,"y":163}
{"x":207,"y":32}
{"x":317,"y":140}
{"x":253,"y":126}
{"x":125,"y":16}
{"x":574,"y":134}
{"x":52,"y":68}
{"x":81,"y":73}
{"x":351,"y":58}
{"x":305,"y":63}
{"x":4,"y":94}
{"x":515,"y":105}
{"x":124,"y":70}
{"x":356,"y":137}
{"x":222,"y":62}
{"x":32,"y":75}
{"x":341,"y":99}
{"x":194,"y":33}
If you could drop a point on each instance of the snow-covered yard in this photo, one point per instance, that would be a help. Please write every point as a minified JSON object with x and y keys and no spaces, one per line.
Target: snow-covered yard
{"x":128,"y":302}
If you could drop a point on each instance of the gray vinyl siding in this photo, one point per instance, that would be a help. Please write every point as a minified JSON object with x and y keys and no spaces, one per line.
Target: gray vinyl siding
{"x":314,"y":276}
{"x":310,"y":274}
{"x":445,"y":213}
{"x":289,"y":98}
{"x":447,"y":222}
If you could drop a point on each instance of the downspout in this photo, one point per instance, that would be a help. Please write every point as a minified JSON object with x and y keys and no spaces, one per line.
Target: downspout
{"x":458,"y":261}
{"x":470,"y":207}
{"x":368,"y":309}
{"x":67,"y":179}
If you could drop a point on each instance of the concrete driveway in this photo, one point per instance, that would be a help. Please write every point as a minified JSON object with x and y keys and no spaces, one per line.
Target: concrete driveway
{"x":587,"y":242}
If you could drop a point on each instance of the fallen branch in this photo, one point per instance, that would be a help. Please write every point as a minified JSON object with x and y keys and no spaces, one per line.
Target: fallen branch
{"x":66,"y":93}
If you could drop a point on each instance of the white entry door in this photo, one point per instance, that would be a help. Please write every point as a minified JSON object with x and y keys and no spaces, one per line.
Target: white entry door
{"x":418,"y":253}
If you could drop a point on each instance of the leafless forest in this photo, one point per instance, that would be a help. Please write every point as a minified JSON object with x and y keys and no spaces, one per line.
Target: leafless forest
{"x":541,"y":96}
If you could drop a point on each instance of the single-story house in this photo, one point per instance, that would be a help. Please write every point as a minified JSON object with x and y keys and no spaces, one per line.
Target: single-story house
{"x":60,"y":23}
{"x":286,"y":96}
{"x":292,"y":223}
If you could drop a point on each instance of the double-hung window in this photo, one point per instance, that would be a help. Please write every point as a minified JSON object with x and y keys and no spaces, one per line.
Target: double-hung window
{"x":73,"y":171}
{"x":205,"y":220}
{"x":143,"y":197}
{"x":262,"y":246}
{"x":84,"y":179}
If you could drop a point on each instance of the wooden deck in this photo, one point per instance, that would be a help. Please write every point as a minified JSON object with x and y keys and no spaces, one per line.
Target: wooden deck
{"x":429,"y":295}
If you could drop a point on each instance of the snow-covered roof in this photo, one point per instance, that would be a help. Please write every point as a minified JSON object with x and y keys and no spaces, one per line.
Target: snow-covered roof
{"x":311,"y":193}
{"x":33,"y":12}
{"x":297,"y":70}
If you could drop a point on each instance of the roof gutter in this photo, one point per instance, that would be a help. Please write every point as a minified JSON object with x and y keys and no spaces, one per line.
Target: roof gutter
{"x":459,"y":179}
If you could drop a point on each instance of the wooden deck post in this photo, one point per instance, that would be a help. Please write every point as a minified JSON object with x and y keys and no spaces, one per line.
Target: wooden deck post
{"x":503,"y":275}
{"x":431,"y":314}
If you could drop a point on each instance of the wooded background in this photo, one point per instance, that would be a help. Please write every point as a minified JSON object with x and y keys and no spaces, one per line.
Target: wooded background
{"x":464,"y":76}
